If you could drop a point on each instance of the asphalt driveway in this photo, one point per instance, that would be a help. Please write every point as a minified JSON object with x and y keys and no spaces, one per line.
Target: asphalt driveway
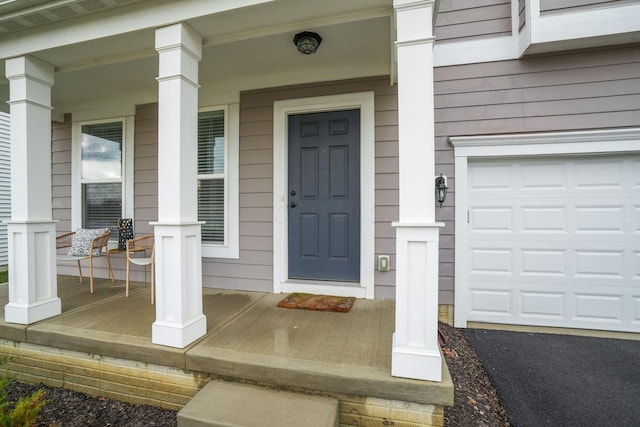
{"x":562,"y":380}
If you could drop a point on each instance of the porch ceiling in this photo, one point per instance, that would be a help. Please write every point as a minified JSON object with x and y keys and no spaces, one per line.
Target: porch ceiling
{"x":245,"y":48}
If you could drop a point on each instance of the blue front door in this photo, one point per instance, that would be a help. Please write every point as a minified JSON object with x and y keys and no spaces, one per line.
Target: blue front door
{"x":324,"y":196}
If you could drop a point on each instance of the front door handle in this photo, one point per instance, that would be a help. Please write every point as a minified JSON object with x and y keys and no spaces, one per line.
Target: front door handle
{"x":293,"y":204}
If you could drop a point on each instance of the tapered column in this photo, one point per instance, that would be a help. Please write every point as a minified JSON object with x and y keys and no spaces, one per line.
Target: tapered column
{"x":415,"y":343}
{"x":179,"y":316}
{"x":33,"y":289}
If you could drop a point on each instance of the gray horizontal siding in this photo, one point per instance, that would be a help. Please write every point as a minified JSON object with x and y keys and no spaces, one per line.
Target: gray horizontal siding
{"x":5,"y":185}
{"x":550,"y":7}
{"x":254,"y":269}
{"x":61,"y":174}
{"x":578,"y":91}
{"x":564,"y":92}
{"x":61,"y":189}
{"x":462,"y":20}
{"x":145,"y":169}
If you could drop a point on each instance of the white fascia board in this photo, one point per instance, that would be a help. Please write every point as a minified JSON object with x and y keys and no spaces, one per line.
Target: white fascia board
{"x":138,"y":17}
{"x":475,"y":51}
{"x":585,"y":24}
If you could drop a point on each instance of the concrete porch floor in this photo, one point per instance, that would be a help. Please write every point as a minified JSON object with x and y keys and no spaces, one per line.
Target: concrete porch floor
{"x":248,"y":338}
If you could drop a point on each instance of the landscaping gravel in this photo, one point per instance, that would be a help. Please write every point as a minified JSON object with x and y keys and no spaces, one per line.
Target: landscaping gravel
{"x":476,"y":403}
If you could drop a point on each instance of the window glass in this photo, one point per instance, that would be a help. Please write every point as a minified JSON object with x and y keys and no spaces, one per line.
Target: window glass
{"x":101,"y":175}
{"x":102,"y":206}
{"x":102,"y":151}
{"x":211,"y":141}
{"x":211,"y":175}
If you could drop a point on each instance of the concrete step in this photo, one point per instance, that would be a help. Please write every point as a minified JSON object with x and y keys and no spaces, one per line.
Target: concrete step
{"x":226,"y":404}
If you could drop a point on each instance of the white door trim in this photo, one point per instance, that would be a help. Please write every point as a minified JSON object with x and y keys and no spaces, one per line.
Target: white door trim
{"x":364,"y":101}
{"x":518,"y":145}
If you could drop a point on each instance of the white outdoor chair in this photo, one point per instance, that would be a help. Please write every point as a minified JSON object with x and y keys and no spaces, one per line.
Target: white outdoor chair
{"x":142,"y":245}
{"x":85,"y":244}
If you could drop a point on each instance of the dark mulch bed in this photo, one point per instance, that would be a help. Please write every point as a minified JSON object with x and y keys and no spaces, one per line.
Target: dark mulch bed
{"x":476,"y":403}
{"x":66,"y":408}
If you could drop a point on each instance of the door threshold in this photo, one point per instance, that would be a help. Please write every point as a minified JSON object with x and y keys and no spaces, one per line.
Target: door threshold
{"x":324,"y":287}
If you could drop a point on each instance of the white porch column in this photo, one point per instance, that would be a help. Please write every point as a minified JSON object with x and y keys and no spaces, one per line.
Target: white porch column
{"x":33,"y":288}
{"x":415,"y":342}
{"x":179,"y":316}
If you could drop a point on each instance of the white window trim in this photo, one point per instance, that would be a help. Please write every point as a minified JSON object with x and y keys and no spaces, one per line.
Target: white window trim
{"x":518,"y":145}
{"x":231,"y":246}
{"x":364,"y":101}
{"x":127,"y":168}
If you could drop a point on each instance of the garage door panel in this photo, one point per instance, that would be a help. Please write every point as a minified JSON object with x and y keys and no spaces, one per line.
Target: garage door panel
{"x":541,"y":176}
{"x":497,"y":261}
{"x":593,"y":174}
{"x":555,"y":242}
{"x":571,"y":306}
{"x":550,"y":305}
{"x":599,"y":264}
{"x":544,"y":262}
{"x":489,"y":178}
{"x":496,"y":219}
{"x":544,"y":219}
{"x":600,"y":219}
{"x":592,"y":307}
{"x":491,"y":302}
{"x":535,"y":217}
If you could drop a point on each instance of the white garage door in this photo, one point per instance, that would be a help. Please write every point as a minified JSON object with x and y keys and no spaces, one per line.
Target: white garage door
{"x":555,"y":242}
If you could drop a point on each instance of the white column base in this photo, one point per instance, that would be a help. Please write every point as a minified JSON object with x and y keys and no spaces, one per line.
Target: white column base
{"x":415,"y":343}
{"x":33,"y":286}
{"x":179,"y":317}
{"x":414,"y":363}
{"x":178,"y":335}
{"x":26,"y":314}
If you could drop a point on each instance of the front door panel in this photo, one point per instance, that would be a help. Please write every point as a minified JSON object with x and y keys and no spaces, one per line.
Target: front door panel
{"x":324,"y":196}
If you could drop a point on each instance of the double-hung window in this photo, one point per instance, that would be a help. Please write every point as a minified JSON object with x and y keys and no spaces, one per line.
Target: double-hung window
{"x":101,"y":188}
{"x":211,"y":175}
{"x":217,"y":181}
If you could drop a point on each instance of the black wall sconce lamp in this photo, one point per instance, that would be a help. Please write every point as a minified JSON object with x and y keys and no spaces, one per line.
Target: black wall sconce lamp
{"x":307,"y":42}
{"x":441,"y":189}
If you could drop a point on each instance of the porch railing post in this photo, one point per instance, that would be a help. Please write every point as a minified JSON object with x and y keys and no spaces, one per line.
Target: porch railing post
{"x":415,"y":342}
{"x":33,"y":289}
{"x":179,"y":316}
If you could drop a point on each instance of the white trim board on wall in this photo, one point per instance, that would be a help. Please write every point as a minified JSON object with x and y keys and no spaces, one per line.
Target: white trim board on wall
{"x":364,"y":101}
{"x":597,"y":142}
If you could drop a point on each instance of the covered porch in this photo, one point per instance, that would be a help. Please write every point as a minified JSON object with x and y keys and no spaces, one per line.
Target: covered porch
{"x":101,"y":345}
{"x":145,"y":75}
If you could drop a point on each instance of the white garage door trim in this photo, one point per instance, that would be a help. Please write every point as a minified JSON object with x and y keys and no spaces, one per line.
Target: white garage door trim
{"x":523,"y":146}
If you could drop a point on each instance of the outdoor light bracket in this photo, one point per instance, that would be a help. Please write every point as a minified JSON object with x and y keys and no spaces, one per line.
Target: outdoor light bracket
{"x":441,"y":189}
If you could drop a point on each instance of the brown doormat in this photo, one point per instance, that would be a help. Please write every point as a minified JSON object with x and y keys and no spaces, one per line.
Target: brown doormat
{"x":317,"y":302}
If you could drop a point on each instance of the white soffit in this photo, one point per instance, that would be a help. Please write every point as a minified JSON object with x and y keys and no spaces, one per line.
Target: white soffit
{"x":17,"y":15}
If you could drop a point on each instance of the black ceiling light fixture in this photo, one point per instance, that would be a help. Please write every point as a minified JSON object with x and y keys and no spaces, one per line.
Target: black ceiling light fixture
{"x":307,"y":42}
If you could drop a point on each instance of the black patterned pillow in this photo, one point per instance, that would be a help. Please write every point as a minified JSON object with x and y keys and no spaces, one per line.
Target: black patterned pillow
{"x":81,"y":241}
{"x":125,"y":229}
